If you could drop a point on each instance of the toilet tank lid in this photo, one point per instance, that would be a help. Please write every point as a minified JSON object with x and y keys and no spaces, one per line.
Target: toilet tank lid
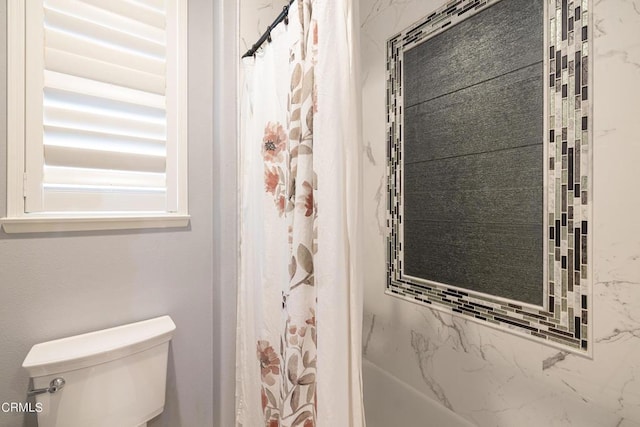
{"x":81,"y":351}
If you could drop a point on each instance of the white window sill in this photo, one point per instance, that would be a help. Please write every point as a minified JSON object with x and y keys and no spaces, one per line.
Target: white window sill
{"x":51,"y":223}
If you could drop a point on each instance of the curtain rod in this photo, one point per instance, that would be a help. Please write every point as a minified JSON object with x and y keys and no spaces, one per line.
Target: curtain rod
{"x":267,"y":34}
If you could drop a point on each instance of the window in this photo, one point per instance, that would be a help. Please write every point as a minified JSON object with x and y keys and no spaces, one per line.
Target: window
{"x":97,"y":115}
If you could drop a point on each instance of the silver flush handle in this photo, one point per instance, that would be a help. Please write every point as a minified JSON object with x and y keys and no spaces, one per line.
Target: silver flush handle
{"x":55,"y":385}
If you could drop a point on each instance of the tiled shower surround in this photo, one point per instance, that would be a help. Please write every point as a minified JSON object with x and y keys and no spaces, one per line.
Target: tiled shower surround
{"x":564,"y":319}
{"x":484,"y":375}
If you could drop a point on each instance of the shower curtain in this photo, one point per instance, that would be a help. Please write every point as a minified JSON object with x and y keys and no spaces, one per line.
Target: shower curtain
{"x":300,"y":291}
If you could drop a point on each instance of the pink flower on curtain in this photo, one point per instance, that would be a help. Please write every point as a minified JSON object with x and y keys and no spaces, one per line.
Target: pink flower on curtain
{"x":271,"y":179}
{"x":281,"y":204}
{"x":269,"y":362}
{"x":275,"y":141}
{"x":274,"y":154}
{"x":312,"y":320}
{"x":308,"y":199}
{"x":315,"y":99}
{"x":314,"y":23}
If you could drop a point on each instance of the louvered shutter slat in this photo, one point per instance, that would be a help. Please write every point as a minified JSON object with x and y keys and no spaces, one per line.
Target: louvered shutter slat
{"x":108,"y":19}
{"x":123,"y":38}
{"x":59,"y":42}
{"x":57,"y":175}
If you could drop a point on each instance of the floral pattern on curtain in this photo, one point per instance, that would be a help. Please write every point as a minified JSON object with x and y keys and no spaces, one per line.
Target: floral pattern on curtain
{"x":288,"y":368}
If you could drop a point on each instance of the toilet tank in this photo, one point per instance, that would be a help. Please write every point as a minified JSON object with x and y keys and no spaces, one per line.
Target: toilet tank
{"x":113,"y":377}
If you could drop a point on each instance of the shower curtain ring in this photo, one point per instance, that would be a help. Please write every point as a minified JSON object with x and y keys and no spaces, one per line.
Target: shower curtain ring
{"x":286,"y":14}
{"x":269,"y":33}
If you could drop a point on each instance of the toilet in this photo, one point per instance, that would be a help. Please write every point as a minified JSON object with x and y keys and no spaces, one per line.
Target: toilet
{"x":112,"y":377}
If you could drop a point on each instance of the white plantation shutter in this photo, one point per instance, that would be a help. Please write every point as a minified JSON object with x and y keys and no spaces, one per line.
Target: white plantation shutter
{"x":102,"y":124}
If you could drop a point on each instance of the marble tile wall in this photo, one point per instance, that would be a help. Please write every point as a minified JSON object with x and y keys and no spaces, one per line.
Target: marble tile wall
{"x":487,"y":376}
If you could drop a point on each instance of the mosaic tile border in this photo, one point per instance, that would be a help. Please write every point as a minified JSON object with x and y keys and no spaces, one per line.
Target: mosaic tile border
{"x":564,"y":320}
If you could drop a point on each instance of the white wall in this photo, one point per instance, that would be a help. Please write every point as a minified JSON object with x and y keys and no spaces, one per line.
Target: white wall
{"x":490,"y":377}
{"x":255,"y":16}
{"x":226,"y":59}
{"x":56,"y":285}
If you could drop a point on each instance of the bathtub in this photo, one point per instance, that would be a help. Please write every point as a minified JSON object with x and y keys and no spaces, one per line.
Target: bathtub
{"x":389,"y":402}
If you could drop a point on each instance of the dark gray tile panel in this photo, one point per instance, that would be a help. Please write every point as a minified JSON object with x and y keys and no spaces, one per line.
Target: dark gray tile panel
{"x":497,"y":259}
{"x":479,"y":48}
{"x":517,"y":205}
{"x":501,"y":113}
{"x":512,"y":168}
{"x":500,"y":186}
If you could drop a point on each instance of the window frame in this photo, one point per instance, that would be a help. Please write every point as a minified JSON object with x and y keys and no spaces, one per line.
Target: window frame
{"x":17,"y":220}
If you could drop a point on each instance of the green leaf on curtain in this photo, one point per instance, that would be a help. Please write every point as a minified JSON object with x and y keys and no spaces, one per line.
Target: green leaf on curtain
{"x":294,"y":134}
{"x":307,"y":361}
{"x":307,"y":84}
{"x":297,"y":97}
{"x":307,"y":379}
{"x":293,"y":266}
{"x":304,"y":149}
{"x":305,"y":259}
{"x":302,"y":417}
{"x":295,"y":398}
{"x":310,"y":118}
{"x":296,"y":76}
{"x":270,"y":397}
{"x":292,"y":368}
{"x":310,"y":393}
